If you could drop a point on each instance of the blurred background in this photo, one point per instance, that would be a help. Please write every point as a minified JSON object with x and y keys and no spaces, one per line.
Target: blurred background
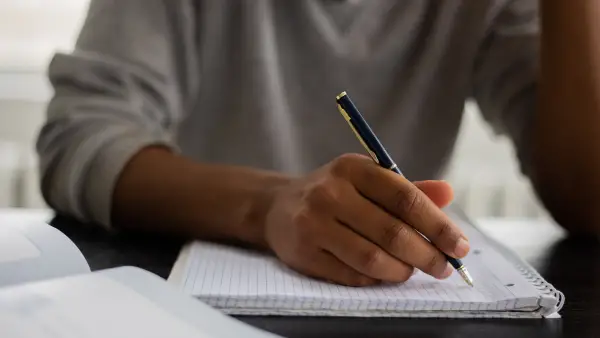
{"x":483,"y":171}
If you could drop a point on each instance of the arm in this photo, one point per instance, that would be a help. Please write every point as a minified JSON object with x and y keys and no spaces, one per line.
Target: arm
{"x":107,"y":157}
{"x":566,"y":162}
{"x":161,"y":191}
{"x":107,"y":152}
{"x":545,"y":94}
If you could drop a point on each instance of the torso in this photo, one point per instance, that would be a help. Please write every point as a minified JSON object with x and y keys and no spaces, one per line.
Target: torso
{"x":270,"y":71}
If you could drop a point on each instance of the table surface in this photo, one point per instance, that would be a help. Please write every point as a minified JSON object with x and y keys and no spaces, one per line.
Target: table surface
{"x":572,"y":265}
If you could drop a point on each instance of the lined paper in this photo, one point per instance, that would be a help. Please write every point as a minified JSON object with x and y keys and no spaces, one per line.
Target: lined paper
{"x":227,"y":277}
{"x":246,"y":282}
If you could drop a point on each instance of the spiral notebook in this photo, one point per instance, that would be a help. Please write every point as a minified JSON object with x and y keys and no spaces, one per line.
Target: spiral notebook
{"x":241,"y":282}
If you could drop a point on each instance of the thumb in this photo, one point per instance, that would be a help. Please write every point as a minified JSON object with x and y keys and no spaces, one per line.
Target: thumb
{"x":439,"y":192}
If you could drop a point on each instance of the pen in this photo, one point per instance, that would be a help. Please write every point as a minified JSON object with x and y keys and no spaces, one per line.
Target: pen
{"x":378,"y":153}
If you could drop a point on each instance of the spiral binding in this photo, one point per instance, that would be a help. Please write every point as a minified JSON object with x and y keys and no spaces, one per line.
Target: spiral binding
{"x":534,"y":277}
{"x":525,"y":268}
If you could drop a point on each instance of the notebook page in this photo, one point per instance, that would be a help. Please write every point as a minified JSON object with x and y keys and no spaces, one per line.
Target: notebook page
{"x":231,"y":277}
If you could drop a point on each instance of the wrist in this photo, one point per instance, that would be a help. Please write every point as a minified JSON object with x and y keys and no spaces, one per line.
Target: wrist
{"x":255,"y":216}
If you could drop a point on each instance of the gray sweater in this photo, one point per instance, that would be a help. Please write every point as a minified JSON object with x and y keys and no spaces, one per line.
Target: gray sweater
{"x":253,"y":83}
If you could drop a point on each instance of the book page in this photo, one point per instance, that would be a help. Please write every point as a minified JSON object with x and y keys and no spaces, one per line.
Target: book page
{"x":14,"y":246}
{"x":88,"y":306}
{"x":33,"y":251}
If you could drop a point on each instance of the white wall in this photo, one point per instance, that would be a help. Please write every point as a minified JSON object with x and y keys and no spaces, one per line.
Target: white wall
{"x":30,"y":32}
{"x":31,"y":29}
{"x":20,"y":122}
{"x":485,"y":173}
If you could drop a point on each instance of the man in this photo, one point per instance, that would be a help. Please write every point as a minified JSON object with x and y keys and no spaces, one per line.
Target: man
{"x":216,"y":119}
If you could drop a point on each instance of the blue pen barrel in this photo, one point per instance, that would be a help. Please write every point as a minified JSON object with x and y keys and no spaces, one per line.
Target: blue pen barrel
{"x":368,"y":137}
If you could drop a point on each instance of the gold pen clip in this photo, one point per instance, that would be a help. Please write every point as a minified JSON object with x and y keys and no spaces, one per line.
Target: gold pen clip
{"x":347,"y":118}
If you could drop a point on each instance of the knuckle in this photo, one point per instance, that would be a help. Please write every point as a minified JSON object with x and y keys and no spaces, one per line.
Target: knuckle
{"x":322,"y":193}
{"x":344,"y":164}
{"x":370,"y":260}
{"x":302,"y":218}
{"x":397,"y":237}
{"x":445,"y":230}
{"x":408,"y":200}
{"x":432,"y":263}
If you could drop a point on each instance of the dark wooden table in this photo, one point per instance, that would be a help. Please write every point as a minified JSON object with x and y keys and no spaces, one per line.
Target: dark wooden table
{"x":571,"y":264}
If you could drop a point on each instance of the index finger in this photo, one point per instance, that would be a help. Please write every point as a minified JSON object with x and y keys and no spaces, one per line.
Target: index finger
{"x":403,"y":199}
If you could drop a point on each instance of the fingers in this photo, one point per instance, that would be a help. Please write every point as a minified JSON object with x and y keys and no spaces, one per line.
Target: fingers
{"x":393,"y":235}
{"x":362,"y":255}
{"x":327,"y":267}
{"x":366,"y":224}
{"x":439,"y":192}
{"x":404,"y":200}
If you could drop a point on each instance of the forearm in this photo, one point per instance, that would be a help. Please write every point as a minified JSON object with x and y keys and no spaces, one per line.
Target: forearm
{"x":163,"y":192}
{"x":566,"y":166}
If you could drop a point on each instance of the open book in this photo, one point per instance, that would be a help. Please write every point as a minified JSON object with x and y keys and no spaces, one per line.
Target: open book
{"x":243,"y":282}
{"x":47,"y":290}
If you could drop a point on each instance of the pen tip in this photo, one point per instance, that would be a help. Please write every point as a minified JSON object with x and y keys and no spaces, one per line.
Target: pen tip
{"x":466,"y":276}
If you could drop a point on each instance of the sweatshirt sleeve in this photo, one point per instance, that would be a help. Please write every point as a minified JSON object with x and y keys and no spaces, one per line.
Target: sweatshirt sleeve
{"x":123,"y":88}
{"x":505,"y":73}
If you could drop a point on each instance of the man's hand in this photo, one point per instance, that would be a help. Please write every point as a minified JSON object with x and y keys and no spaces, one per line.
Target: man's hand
{"x":353,"y":223}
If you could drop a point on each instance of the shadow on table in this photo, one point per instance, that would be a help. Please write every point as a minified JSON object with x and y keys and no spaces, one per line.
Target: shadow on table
{"x":394,"y":327}
{"x":573,"y":267}
{"x":103,"y":249}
